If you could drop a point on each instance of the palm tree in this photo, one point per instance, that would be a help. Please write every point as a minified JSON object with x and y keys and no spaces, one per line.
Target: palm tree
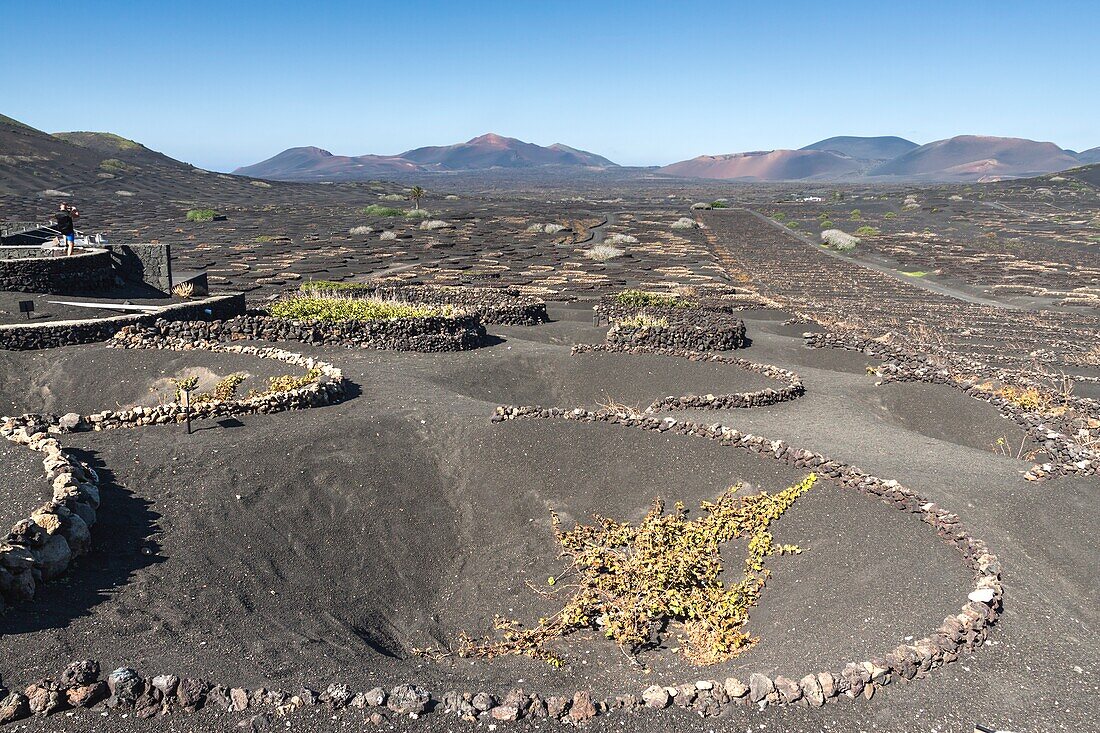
{"x":416,"y":193}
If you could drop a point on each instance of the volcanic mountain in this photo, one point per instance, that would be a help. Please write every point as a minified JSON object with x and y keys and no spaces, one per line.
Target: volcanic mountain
{"x":977,"y":157}
{"x":315,"y":164}
{"x":33,"y":161}
{"x":867,"y":148}
{"x":481,"y":153}
{"x":1092,"y":155}
{"x":769,"y":165}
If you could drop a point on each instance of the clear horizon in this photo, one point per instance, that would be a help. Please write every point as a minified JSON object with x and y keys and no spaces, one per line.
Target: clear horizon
{"x":223,"y":85}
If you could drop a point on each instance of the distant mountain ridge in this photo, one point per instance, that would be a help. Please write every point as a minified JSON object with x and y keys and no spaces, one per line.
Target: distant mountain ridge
{"x":847,"y":158}
{"x":480,"y":153}
{"x":977,"y":156}
{"x":865,"y":148}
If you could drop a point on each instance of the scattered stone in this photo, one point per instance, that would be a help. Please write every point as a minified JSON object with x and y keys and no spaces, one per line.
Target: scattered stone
{"x":408,"y":699}
{"x":735,"y":688}
{"x":582,"y":709}
{"x":760,"y":686}
{"x":376,"y":698}
{"x":656,"y":696}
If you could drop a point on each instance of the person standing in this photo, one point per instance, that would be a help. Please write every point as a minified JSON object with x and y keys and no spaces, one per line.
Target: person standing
{"x":66,"y":228}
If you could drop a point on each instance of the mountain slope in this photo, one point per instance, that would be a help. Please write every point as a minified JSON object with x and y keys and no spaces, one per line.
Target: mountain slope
{"x":496,"y":151}
{"x":869,"y":148}
{"x":1092,"y":155}
{"x":768,"y":165}
{"x":33,"y":162}
{"x":480,"y":153}
{"x":977,"y":157}
{"x":118,"y":148}
{"x":315,"y":164}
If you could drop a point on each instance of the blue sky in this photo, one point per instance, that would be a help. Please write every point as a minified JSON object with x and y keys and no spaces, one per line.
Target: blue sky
{"x":222,"y":84}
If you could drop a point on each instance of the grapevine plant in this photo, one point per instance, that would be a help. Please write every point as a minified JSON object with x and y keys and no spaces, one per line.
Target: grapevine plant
{"x":631,"y":581}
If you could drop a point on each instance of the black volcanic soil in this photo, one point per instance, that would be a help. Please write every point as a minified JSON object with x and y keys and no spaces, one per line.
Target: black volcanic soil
{"x":24,"y":487}
{"x":327,"y":544}
{"x":323,"y":545}
{"x":93,"y":378}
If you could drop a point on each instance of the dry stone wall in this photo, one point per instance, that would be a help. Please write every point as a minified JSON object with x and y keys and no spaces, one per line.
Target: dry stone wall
{"x":28,"y":270}
{"x":31,"y":336}
{"x":459,"y":332}
{"x":41,"y":547}
{"x":506,"y":306}
{"x":1071,"y":457}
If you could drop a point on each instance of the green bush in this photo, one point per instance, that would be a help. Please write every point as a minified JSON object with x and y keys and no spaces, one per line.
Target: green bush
{"x":379,"y":210}
{"x":641,"y":299}
{"x":335,"y":309}
{"x":114,"y":165}
{"x":826,"y":224}
{"x":719,"y":205}
{"x":866,"y":231}
{"x":889,"y":215}
{"x":856,"y":215}
{"x":201,"y":215}
{"x":779,"y":216}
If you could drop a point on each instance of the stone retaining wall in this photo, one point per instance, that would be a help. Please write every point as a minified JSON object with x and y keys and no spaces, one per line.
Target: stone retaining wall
{"x":432,"y":333}
{"x":29,"y":336}
{"x":792,"y":388}
{"x":41,"y":547}
{"x":1071,"y":457}
{"x":27,"y":270}
{"x":506,"y":306}
{"x":693,"y":330}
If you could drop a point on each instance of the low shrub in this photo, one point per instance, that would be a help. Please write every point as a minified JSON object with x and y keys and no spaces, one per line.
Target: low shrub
{"x":855,"y":215}
{"x":388,"y":236}
{"x":360,"y":230}
{"x":826,"y":224}
{"x":620,"y":239}
{"x":780,"y":216}
{"x":643,"y":320}
{"x":684,"y":223}
{"x":700,"y":206}
{"x":201,"y":215}
{"x":379,"y":210}
{"x":602,"y":253}
{"x":114,"y":165}
{"x":867,"y":231}
{"x":719,"y":204}
{"x":889,"y":215}
{"x":330,"y":307}
{"x":554,"y":228}
{"x":642,"y":299}
{"x":839,"y":240}
{"x":436,"y":224}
